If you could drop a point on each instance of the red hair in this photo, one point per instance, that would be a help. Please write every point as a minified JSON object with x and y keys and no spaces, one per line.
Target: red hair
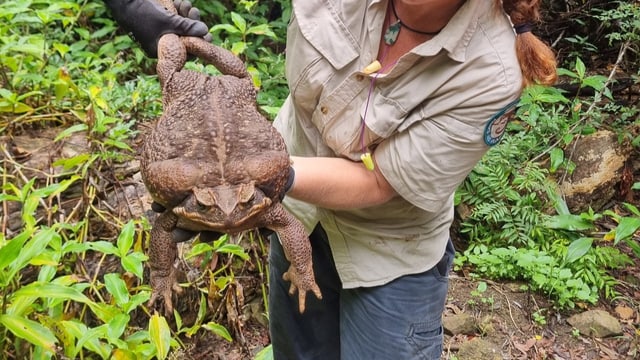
{"x":537,"y":60}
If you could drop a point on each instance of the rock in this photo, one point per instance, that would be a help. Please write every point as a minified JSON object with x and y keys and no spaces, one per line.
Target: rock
{"x":596,"y":323}
{"x":599,"y":159}
{"x":479,"y":349}
{"x":624,"y":312}
{"x":459,"y":324}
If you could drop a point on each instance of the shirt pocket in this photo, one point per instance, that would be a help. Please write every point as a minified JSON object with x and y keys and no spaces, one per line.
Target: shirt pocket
{"x":323,"y":46}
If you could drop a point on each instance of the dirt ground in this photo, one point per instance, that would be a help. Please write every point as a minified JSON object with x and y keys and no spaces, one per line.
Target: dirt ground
{"x":522,"y":325}
{"x":517,"y":324}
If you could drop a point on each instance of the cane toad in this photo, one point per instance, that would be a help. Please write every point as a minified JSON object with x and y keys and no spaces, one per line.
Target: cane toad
{"x":216,"y":164}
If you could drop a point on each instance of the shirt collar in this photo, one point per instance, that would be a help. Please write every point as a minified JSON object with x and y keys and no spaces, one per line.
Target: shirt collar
{"x":455,"y":36}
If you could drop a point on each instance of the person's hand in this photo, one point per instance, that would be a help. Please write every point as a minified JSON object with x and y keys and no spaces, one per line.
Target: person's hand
{"x":147,"y":21}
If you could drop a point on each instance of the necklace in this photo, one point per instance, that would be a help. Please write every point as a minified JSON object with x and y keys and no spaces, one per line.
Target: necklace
{"x":392,"y":32}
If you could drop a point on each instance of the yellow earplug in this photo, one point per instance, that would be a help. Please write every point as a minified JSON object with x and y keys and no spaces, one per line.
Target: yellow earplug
{"x":367,"y":160}
{"x":373,"y":67}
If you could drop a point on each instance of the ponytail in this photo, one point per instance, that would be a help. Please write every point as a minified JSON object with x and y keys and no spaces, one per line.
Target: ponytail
{"x":537,"y":60}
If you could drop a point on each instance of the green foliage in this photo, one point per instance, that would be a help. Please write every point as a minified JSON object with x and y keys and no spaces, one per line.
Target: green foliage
{"x":593,"y":30}
{"x":65,"y":64}
{"x":626,"y":21}
{"x":511,"y":197}
{"x":50,"y":311}
{"x":251,"y":31}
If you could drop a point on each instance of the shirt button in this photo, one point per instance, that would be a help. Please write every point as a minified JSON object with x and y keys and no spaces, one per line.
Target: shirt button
{"x":324,"y":110}
{"x":359,"y":77}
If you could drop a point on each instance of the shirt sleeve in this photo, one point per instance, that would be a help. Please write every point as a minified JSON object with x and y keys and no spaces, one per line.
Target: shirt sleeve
{"x":426,"y":162}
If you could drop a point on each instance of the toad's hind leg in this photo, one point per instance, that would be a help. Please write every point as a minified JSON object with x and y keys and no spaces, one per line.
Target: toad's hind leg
{"x":172,"y":55}
{"x":162,"y":255}
{"x":297,"y":249}
{"x":224,"y":60}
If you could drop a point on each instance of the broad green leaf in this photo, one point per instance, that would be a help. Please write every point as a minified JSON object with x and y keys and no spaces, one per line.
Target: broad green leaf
{"x":239,"y":22}
{"x":226,"y":27}
{"x":557,"y":158}
{"x":21,"y":305}
{"x":578,"y":248}
{"x":218,"y":330}
{"x":61,"y":48}
{"x":122,"y":354}
{"x":104,"y":312}
{"x":566,"y":72}
{"x":36,"y":49}
{"x":70,"y":130}
{"x":133,"y":263}
{"x":160,"y":335}
{"x":202,"y":311}
{"x":32,"y":248}
{"x":568,"y":222}
{"x":199,"y":249}
{"x":626,"y":227}
{"x":72,"y":246}
{"x":564,"y":274}
{"x":233,"y":249}
{"x":239,"y":47}
{"x":16,"y":108}
{"x":51,"y":291}
{"x":125,"y":239}
{"x":104,"y":247}
{"x":136,"y":300}
{"x":262,"y":29}
{"x":595,"y":82}
{"x":74,"y":161}
{"x":265,"y":354}
{"x":55,"y":189}
{"x":117,"y":326}
{"x":30,"y":204}
{"x":90,"y":339}
{"x":118,"y":144}
{"x":581,"y":69}
{"x":568,"y":138}
{"x":634,"y":210}
{"x":29,"y":330}
{"x":11,"y":249}
{"x":117,"y":288}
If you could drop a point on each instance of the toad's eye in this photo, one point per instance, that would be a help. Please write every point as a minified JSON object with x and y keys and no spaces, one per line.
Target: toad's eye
{"x":200,"y":206}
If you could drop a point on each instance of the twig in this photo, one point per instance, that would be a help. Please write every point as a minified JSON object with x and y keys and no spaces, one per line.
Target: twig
{"x":553,"y":45}
{"x":623,"y":50}
{"x":495,"y":287}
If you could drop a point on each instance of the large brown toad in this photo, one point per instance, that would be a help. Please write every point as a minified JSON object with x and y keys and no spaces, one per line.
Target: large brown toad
{"x":216,"y":164}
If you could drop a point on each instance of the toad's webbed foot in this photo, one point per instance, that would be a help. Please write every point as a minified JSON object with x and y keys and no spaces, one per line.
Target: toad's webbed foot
{"x":302,"y":282}
{"x":163,"y":286}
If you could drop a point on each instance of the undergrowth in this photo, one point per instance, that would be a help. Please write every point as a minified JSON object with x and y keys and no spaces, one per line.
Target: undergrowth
{"x":73,"y":265}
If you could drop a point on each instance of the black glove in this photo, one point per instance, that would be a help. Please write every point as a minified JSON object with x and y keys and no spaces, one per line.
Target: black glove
{"x":147,"y":21}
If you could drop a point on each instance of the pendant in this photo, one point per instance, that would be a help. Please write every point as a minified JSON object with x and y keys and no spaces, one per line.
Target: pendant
{"x":391,"y":35}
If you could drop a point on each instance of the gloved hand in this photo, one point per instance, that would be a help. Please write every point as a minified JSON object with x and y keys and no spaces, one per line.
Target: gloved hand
{"x":147,"y":21}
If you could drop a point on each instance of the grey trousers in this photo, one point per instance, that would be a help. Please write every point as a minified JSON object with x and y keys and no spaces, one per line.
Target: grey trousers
{"x":398,"y":320}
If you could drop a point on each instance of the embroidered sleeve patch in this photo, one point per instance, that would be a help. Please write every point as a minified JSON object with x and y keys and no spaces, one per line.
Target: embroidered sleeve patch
{"x":494,"y":130}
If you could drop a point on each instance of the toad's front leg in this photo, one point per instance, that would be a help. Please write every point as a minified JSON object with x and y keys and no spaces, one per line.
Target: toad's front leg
{"x":162,"y":255}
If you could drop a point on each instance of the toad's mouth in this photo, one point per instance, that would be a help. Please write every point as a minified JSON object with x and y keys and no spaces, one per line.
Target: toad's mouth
{"x":243,"y":217}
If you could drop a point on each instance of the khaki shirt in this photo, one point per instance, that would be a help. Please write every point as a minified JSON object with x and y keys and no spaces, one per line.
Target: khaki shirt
{"x":426,"y":119}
